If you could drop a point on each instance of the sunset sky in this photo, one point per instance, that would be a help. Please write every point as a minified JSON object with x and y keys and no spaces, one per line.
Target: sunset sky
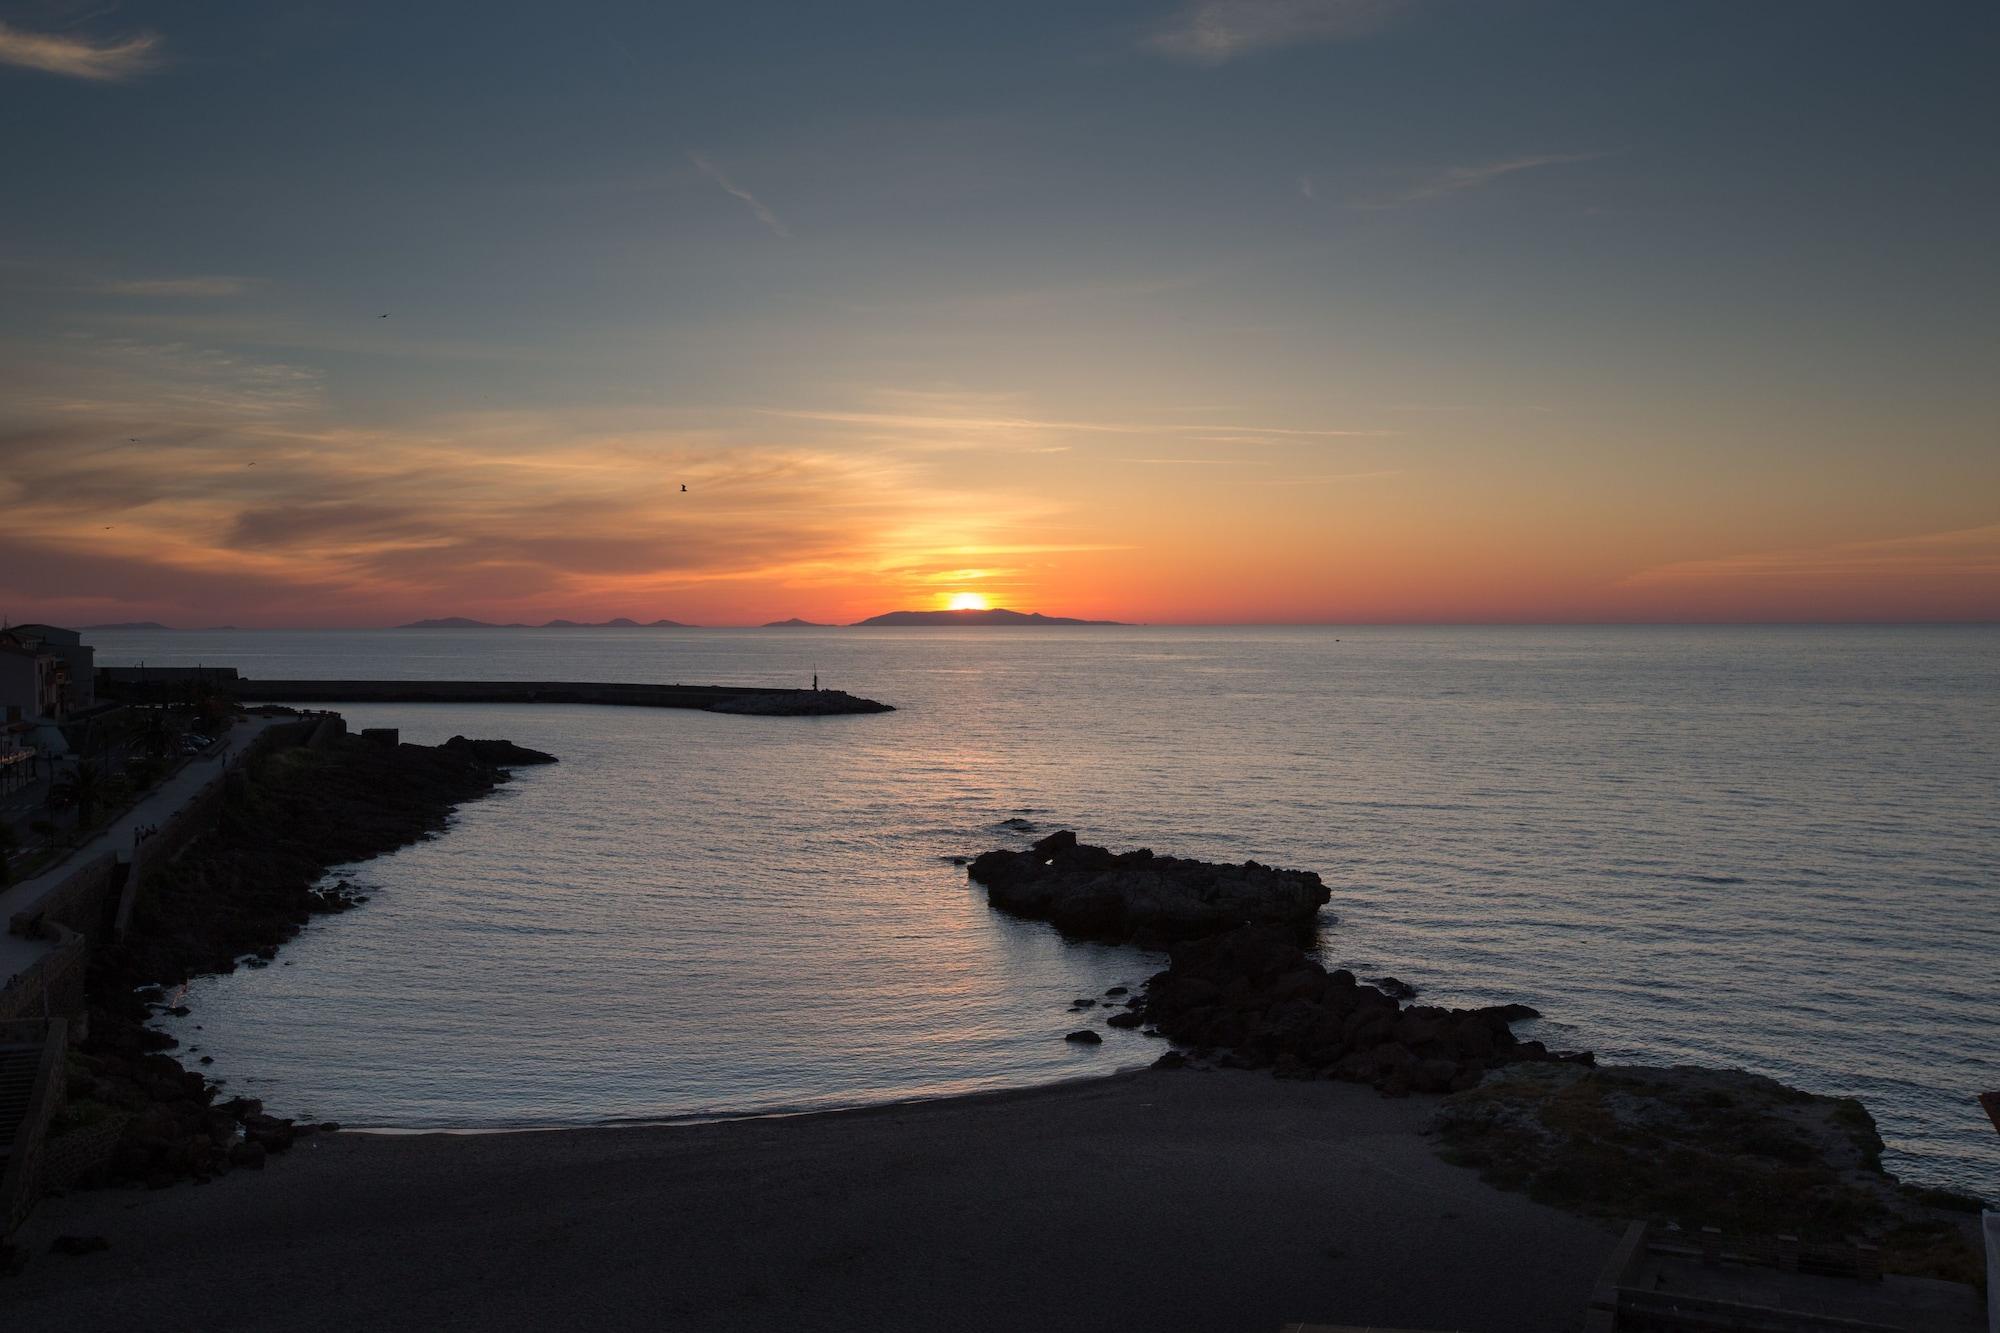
{"x":1172,"y":311}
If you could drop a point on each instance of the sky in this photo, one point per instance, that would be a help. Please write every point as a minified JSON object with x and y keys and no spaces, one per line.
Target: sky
{"x":1176,"y":311}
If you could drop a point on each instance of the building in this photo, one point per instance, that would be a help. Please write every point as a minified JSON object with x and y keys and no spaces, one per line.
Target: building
{"x":31,"y":681}
{"x":78,"y":663}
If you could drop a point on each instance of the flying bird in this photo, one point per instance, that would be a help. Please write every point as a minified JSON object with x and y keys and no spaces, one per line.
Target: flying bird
{"x":684,"y":487}
{"x":381,"y":317}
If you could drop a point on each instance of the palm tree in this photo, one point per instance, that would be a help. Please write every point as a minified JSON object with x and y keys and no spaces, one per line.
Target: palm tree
{"x":83,"y":787}
{"x":157,"y":732}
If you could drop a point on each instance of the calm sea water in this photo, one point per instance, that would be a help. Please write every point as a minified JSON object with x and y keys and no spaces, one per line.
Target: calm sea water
{"x":1773,"y":848}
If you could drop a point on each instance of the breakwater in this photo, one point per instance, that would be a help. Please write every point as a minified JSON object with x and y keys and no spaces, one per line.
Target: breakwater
{"x":714,"y":698}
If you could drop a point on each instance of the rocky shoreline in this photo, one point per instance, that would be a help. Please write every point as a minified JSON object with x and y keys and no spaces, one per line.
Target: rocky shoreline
{"x":232,"y":899}
{"x":1686,"y":1146}
{"x":1139,"y":898}
{"x":1251,"y":998}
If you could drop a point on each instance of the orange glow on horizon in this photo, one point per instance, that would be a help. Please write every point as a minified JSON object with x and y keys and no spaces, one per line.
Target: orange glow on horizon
{"x":967,"y":601}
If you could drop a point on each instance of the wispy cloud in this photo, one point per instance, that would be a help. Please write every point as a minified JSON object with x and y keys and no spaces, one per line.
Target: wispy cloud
{"x":79,"y":57}
{"x":213,"y":286}
{"x":1198,"y":462}
{"x":1210,"y":32}
{"x":1000,"y":424}
{"x":1967,"y":552}
{"x":1457,"y":180}
{"x":764,"y":214}
{"x":1305,"y":187}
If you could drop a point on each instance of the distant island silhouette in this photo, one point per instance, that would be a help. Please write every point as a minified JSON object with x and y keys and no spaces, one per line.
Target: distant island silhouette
{"x":795,"y":623}
{"x":461,"y":622}
{"x":995,"y":616}
{"x":127,"y":625}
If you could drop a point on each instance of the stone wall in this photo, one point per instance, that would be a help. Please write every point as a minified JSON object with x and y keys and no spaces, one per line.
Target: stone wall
{"x":21,"y":1180}
{"x":81,"y":900}
{"x":53,"y":987}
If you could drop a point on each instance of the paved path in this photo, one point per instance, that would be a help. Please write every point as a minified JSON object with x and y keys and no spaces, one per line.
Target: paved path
{"x":159,"y":805}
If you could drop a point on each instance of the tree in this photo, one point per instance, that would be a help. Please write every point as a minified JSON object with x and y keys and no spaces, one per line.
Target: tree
{"x":84,"y":786}
{"x":157,"y":732}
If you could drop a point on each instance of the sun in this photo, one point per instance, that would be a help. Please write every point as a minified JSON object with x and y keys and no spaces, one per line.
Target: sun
{"x":967,"y":601}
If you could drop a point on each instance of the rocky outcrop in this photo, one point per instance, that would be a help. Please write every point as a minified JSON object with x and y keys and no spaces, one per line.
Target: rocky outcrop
{"x":1705,"y":1148}
{"x":799,"y":703}
{"x":1149,"y":900}
{"x":499,"y":754}
{"x":1252,"y":998}
{"x":236,"y":895}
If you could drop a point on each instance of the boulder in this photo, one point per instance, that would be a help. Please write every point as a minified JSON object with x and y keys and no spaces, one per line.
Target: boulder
{"x":496,"y":753}
{"x":1136,"y":896}
{"x":1084,"y":1037}
{"x":1256,"y":1000}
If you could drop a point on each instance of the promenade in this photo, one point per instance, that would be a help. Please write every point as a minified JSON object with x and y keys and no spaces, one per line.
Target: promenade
{"x":157,"y":807}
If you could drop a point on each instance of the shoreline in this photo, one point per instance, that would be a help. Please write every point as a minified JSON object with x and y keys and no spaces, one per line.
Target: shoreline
{"x":697,"y":1118}
{"x":1319,"y":1201}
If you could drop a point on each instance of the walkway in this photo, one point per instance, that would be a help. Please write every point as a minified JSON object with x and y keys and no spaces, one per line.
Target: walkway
{"x":157,"y":807}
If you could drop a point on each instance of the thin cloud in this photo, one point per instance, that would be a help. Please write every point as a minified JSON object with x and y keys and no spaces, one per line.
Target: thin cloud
{"x":1305,"y":187}
{"x":764,"y":214}
{"x":1457,"y":180}
{"x":1210,"y":32}
{"x":1968,"y":552}
{"x":924,"y":422}
{"x":1199,"y":462}
{"x":214,"y":286}
{"x":79,"y":57}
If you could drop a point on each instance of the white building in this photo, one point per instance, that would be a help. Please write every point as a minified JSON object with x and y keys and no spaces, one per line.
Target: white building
{"x":77,"y":663}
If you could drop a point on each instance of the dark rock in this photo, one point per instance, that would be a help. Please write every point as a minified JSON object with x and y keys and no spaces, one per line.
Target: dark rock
{"x":249,"y":1154}
{"x":1084,"y":1037}
{"x":498,"y":754}
{"x":78,"y":1245}
{"x":1118,"y":990}
{"x":1125,"y":1019}
{"x":1095,"y":893}
{"x":1253,"y":996}
{"x":1394,"y":989}
{"x":1171,"y":1060}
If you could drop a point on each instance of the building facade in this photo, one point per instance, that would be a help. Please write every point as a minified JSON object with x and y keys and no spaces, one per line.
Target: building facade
{"x":77,"y":663}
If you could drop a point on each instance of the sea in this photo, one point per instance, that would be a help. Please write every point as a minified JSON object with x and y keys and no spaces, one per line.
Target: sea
{"x":1776,"y":848}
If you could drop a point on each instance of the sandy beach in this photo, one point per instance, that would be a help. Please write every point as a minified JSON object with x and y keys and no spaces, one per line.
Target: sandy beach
{"x":1156,"y":1200}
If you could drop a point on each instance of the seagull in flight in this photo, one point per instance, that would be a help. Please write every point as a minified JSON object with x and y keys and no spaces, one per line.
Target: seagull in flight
{"x":381,"y":317}
{"x":684,"y":488}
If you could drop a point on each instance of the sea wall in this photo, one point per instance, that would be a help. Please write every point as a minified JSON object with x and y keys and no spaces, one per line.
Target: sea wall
{"x":200,"y":812}
{"x":54,"y":985}
{"x":492,"y":692}
{"x":79,"y":900}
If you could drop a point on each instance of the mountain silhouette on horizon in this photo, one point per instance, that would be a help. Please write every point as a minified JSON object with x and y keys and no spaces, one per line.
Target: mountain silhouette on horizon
{"x":621,"y":622}
{"x":993,"y":616}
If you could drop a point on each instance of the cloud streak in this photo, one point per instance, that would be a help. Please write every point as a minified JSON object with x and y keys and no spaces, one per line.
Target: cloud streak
{"x":1458,"y":180}
{"x":756,"y":205}
{"x":1212,"y":32}
{"x":79,"y":57}
{"x":216,"y":285}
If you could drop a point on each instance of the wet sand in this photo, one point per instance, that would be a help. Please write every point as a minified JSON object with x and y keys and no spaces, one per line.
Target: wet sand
{"x":1153,"y":1200}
